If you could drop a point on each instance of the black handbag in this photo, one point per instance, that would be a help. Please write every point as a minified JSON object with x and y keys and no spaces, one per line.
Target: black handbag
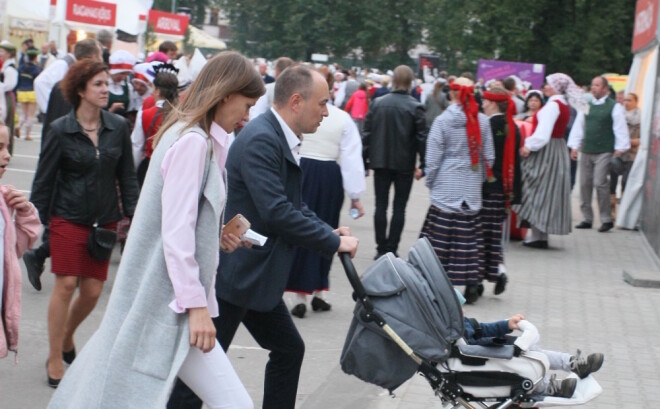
{"x":101,"y":242}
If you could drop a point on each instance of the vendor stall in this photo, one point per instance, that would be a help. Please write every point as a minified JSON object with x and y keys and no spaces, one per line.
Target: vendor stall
{"x":25,"y":19}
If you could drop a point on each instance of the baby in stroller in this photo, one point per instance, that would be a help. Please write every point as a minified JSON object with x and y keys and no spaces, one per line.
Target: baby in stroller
{"x":495,"y":333}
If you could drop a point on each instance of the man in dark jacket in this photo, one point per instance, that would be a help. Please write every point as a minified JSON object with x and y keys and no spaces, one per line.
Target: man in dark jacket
{"x":394,"y":134}
{"x":264,"y":183}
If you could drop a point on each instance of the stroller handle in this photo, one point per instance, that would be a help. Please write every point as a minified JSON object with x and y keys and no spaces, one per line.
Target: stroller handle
{"x":353,"y":277}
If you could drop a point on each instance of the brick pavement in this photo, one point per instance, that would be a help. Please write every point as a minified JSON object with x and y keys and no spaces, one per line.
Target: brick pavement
{"x":573,"y":292}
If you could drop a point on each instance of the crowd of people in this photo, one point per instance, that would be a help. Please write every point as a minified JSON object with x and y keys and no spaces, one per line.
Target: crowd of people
{"x":177,"y":147}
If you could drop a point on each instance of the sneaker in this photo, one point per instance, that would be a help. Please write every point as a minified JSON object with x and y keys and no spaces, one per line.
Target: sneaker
{"x":563,"y":388}
{"x":35,"y":266}
{"x":584,"y":366}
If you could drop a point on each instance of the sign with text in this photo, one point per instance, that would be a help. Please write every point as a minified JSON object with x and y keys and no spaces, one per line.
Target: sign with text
{"x":646,"y":23}
{"x":496,"y":69}
{"x":91,"y":12}
{"x":168,"y":23}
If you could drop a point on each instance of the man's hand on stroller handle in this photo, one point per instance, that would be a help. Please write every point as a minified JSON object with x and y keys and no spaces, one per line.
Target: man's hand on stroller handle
{"x":513,"y":321}
{"x":347,"y":243}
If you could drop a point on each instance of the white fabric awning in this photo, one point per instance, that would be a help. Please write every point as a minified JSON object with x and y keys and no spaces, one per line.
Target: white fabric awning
{"x":201,"y":39}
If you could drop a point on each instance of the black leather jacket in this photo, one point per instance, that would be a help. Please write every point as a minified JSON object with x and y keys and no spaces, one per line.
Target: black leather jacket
{"x":77,"y":182}
{"x":395,"y":132}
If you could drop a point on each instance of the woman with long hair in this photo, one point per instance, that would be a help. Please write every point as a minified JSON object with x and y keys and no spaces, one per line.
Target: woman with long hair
{"x":87,"y":153}
{"x":157,"y":324}
{"x":166,"y":93}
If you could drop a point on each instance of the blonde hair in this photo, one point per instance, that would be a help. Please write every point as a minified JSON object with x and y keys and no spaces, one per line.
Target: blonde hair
{"x":225,"y":74}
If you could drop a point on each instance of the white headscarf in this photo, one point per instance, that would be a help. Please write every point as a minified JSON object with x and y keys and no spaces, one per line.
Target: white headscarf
{"x":564,"y":85}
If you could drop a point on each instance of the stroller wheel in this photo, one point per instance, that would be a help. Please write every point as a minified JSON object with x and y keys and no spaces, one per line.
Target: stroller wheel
{"x":527,"y":385}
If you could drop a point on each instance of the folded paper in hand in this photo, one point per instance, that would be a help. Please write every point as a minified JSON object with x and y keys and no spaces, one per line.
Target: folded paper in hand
{"x":254,"y":238}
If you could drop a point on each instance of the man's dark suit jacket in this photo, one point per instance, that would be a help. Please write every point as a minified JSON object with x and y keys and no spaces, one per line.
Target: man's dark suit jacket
{"x":268,"y":79}
{"x":265,"y":186}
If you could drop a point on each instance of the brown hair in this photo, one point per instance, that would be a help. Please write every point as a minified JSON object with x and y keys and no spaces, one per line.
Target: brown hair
{"x":282,"y":64}
{"x":403,"y":77}
{"x":86,"y":48}
{"x":77,"y":77}
{"x":225,"y":74}
{"x":296,"y":79}
{"x":166,"y":46}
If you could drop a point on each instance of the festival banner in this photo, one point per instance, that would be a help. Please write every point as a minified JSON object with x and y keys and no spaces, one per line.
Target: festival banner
{"x":168,"y":23}
{"x":91,"y":12}
{"x":496,"y":69}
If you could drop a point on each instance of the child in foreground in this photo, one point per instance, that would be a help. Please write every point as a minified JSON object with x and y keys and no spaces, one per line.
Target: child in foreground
{"x":19,"y":229}
{"x":486,"y":334}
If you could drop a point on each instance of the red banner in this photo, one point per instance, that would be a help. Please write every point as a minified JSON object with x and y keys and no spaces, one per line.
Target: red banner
{"x":91,"y":12}
{"x":168,"y":23}
{"x":646,"y":23}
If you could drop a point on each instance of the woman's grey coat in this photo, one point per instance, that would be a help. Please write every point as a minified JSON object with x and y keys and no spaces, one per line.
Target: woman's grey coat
{"x":132,"y":360}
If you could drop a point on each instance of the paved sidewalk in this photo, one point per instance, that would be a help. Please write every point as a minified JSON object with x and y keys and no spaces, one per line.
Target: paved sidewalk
{"x":573,"y":292}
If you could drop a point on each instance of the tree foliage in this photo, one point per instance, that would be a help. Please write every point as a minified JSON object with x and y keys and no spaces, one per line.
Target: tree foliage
{"x":579,"y":37}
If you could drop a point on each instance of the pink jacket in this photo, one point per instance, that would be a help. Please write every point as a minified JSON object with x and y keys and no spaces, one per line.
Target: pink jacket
{"x":357,"y":105}
{"x":20,"y":234}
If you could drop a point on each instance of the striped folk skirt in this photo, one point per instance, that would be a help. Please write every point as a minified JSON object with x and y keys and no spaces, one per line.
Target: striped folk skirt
{"x":323,"y":193}
{"x":546,"y":201}
{"x":457,"y":241}
{"x":491,"y":217}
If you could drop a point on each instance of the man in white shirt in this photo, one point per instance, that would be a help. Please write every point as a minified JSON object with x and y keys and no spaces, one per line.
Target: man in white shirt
{"x":266,"y":101}
{"x":603,"y":133}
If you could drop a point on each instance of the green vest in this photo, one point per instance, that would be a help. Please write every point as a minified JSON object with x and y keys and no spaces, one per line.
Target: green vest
{"x":598,"y":132}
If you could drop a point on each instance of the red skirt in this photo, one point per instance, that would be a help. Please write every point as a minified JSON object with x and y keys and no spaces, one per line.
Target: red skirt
{"x":68,"y":249}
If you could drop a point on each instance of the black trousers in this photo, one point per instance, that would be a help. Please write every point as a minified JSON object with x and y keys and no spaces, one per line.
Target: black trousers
{"x":383,"y":180}
{"x":273,"y":330}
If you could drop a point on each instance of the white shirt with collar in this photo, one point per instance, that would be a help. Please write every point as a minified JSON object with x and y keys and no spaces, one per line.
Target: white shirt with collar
{"x":45,"y":81}
{"x":546,"y":117}
{"x":291,"y":138}
{"x":619,"y":126}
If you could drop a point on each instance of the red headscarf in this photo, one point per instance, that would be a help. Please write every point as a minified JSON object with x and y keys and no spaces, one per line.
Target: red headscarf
{"x":471,"y":110}
{"x":509,"y":143}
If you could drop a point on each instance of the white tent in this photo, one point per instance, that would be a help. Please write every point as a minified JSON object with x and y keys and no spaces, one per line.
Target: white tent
{"x":641,"y":81}
{"x":202,"y":39}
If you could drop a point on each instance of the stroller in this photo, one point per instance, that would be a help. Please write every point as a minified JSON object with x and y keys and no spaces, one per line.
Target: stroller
{"x":407,"y":319}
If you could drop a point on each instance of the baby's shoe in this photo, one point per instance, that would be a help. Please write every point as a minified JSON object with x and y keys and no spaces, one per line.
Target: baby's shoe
{"x":561,"y":388}
{"x":584,"y":366}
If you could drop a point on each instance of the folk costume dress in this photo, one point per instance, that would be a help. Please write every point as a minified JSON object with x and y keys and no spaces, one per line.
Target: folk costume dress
{"x":546,"y":173}
{"x":459,"y":154}
{"x":505,"y":190}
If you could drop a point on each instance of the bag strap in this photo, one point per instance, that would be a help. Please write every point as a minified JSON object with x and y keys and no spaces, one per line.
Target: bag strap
{"x":207,"y":166}
{"x":478,"y":331}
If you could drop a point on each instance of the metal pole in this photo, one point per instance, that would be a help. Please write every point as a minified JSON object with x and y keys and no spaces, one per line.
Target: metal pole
{"x":173,"y":6}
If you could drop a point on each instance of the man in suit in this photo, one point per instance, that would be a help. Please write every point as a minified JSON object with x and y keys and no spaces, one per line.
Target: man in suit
{"x":264,"y":184}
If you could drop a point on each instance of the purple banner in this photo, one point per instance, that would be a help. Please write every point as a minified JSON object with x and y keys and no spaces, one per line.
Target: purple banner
{"x":495,"y":69}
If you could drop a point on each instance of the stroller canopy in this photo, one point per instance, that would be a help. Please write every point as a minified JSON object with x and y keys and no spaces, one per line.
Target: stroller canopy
{"x":417,"y":300}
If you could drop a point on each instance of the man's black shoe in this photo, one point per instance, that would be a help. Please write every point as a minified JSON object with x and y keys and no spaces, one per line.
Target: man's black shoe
{"x":299,"y":310}
{"x":583,"y":225}
{"x":605,"y":227}
{"x":538,"y":244}
{"x":35,"y":266}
